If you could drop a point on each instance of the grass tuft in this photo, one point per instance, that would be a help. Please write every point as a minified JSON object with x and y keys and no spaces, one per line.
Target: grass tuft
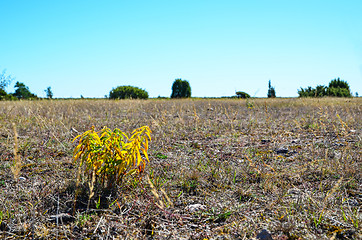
{"x":17,"y":165}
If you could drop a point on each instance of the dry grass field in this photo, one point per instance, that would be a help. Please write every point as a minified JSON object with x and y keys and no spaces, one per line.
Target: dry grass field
{"x":219,"y":169}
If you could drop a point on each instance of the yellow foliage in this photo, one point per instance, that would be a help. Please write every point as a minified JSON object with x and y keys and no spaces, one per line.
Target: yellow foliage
{"x":112,"y":154}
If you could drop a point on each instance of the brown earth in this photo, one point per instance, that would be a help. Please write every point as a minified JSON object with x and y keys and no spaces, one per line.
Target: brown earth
{"x":223,"y":169}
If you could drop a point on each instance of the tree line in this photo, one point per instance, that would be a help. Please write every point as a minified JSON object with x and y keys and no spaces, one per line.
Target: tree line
{"x":336,"y":88}
{"x":180,"y":89}
{"x":21,"y":90}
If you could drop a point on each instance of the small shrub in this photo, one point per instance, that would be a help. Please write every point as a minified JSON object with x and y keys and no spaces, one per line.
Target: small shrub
{"x":2,"y":92}
{"x":191,"y":182}
{"x":111,"y":155}
{"x":127,"y":92}
{"x":5,"y":96}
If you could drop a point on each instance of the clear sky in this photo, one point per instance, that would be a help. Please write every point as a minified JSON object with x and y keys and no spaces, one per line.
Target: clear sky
{"x":88,"y":47}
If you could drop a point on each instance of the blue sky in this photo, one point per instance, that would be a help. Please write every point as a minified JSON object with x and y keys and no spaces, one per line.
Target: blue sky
{"x":88,"y":47}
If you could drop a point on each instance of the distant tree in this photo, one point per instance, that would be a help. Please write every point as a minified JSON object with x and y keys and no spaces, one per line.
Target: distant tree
{"x":338,"y":83}
{"x":356,"y":94}
{"x":5,"y":80}
{"x":336,"y":88}
{"x":242,"y":95}
{"x":128,"y":92}
{"x":271,"y":91}
{"x":305,"y":92}
{"x":338,"y":92}
{"x":23,"y":92}
{"x":49,"y":92}
{"x":319,"y":91}
{"x":161,"y":97}
{"x":181,"y":89}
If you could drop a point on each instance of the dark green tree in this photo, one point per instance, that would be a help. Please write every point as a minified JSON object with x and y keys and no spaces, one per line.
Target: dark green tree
{"x":338,"y":88}
{"x":3,"y":94}
{"x":305,"y":92}
{"x":242,"y":94}
{"x":128,"y":92}
{"x":49,"y":92}
{"x":271,"y":91}
{"x":181,"y":89}
{"x":319,"y":91}
{"x":338,"y":83}
{"x":23,"y":92}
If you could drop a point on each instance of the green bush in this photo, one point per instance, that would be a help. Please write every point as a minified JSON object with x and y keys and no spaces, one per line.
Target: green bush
{"x":338,"y":92}
{"x":338,"y":83}
{"x":128,"y":92}
{"x":181,"y":89}
{"x":319,"y":91}
{"x":242,"y":95}
{"x":336,"y":88}
{"x":5,"y":96}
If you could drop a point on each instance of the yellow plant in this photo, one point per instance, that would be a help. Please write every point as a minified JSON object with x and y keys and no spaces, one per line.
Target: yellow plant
{"x":111,"y":155}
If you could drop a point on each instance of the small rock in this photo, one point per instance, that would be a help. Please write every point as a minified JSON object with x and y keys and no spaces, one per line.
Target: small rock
{"x":338,"y":145}
{"x":282,"y":150}
{"x":194,"y":226}
{"x":195,"y":207}
{"x":22,"y":178}
{"x":264,"y":141}
{"x":264,"y":235}
{"x":294,"y":191}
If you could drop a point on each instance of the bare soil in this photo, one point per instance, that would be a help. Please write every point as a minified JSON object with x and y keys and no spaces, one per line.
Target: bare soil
{"x":219,"y":169}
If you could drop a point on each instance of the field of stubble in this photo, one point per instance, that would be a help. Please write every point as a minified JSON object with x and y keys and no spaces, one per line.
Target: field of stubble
{"x":221,"y":169}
